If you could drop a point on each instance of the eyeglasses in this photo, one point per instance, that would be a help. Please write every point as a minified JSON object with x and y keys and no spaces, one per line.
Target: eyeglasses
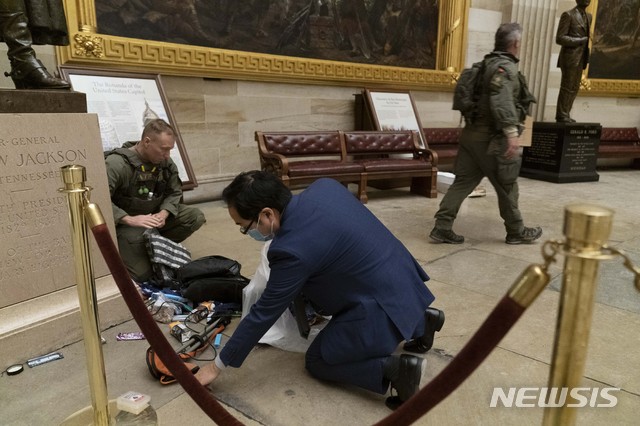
{"x":245,"y":229}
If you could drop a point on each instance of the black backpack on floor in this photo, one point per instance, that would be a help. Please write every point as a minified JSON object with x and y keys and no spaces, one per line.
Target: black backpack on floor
{"x":214,"y":278}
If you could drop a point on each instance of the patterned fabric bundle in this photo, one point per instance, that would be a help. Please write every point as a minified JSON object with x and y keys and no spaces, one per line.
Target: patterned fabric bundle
{"x":166,"y":252}
{"x":166,"y":257}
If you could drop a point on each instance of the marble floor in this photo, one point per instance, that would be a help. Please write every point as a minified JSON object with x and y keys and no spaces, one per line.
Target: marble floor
{"x":272,"y":387}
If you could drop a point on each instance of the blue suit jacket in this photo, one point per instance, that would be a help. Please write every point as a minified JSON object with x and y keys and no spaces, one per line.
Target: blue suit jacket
{"x":332,"y":248}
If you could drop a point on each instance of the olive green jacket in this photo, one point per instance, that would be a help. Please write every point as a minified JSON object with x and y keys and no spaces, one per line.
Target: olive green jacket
{"x":141,"y":188}
{"x":505,"y":97}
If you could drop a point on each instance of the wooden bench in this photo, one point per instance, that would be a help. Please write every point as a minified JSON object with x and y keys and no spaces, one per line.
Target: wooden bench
{"x":349,"y":157}
{"x":620,"y":142}
{"x":392,"y":155}
{"x":444,"y":141}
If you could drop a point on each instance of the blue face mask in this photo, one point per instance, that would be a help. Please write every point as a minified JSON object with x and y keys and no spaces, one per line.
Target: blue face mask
{"x":257,"y":235}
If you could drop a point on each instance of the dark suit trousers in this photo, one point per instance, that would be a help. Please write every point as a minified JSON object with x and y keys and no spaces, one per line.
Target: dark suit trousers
{"x":359,"y":362}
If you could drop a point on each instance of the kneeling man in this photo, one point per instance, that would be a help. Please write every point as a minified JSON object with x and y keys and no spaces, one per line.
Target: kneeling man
{"x":347,"y":264}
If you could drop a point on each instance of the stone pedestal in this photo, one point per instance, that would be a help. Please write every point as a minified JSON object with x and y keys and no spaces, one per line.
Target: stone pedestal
{"x":41,"y":101}
{"x":39,"y":305}
{"x":562,"y":152}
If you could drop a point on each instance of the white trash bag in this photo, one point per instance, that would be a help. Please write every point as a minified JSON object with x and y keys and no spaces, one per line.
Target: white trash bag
{"x":284,"y":332}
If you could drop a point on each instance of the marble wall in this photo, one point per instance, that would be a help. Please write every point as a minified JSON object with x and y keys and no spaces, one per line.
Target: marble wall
{"x":217,"y":118}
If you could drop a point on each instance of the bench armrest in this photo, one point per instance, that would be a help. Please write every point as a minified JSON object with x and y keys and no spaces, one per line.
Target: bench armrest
{"x":271,"y":161}
{"x":274,"y":163}
{"x":428,"y":154}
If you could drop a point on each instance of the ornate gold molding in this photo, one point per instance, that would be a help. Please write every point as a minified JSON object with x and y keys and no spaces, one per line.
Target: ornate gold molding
{"x":111,"y":52}
{"x":618,"y":88}
{"x":88,"y":45}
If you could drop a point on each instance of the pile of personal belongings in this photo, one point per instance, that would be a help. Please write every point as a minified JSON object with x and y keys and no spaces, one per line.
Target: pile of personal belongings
{"x":179,"y":284}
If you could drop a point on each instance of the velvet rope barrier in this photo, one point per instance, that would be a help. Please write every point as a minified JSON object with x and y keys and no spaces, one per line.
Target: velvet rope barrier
{"x":152,"y":333}
{"x":506,"y":313}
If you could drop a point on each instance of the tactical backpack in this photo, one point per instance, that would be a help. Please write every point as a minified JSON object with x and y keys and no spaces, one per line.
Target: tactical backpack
{"x":467,"y":91}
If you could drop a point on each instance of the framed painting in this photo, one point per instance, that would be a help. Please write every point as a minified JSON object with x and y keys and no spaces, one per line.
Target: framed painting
{"x":393,"y":110}
{"x":372,"y":43}
{"x":124,"y":102}
{"x":614,"y":63}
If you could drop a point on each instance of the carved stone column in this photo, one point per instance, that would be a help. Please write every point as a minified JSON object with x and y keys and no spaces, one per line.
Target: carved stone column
{"x":537,"y":18}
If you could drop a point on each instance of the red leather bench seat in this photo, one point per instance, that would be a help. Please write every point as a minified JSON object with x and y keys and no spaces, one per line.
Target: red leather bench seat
{"x":322,"y":167}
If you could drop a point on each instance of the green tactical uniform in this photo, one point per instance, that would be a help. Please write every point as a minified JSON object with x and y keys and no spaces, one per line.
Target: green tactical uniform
{"x":137,"y":188}
{"x":503,"y":104}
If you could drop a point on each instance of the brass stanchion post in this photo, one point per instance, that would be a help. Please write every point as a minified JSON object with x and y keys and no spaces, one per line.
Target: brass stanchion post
{"x":74,"y":178}
{"x":586,"y":228}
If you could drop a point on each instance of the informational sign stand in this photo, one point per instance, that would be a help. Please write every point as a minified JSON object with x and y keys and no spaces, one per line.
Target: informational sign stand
{"x":388,"y":110}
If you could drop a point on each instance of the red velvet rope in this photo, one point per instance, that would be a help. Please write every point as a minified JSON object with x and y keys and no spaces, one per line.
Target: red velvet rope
{"x":152,"y":333}
{"x":494,"y":328}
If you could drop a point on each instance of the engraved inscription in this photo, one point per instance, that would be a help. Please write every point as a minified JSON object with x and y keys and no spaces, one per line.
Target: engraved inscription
{"x":581,"y":150}
{"x":562,"y":153}
{"x":33,"y":215}
{"x":36,"y":250}
{"x":544,"y":149}
{"x":19,"y":261}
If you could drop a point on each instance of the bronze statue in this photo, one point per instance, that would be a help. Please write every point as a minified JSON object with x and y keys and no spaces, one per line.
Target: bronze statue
{"x":45,"y":24}
{"x":573,"y":36}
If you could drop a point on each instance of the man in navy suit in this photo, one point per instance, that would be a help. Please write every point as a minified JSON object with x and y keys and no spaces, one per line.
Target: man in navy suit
{"x":328,"y":246}
{"x":573,"y":36}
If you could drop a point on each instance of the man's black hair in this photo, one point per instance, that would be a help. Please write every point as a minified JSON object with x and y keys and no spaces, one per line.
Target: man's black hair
{"x":250,"y":192}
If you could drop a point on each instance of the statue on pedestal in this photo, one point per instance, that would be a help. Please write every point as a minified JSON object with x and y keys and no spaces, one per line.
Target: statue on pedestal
{"x":45,"y":24}
{"x":573,"y":36}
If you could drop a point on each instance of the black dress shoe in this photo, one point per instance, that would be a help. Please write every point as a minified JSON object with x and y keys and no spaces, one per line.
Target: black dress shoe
{"x":405,"y":374}
{"x":433,"y":321}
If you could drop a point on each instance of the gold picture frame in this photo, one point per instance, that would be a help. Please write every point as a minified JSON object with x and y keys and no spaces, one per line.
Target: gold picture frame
{"x":91,"y":48}
{"x":604,"y":86}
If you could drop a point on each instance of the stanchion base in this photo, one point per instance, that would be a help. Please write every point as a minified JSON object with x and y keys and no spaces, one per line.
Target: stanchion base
{"x":84,"y":417}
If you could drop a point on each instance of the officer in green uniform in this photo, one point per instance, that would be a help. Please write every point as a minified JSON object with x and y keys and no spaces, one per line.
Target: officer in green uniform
{"x":145,"y":193}
{"x":489,"y":143}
